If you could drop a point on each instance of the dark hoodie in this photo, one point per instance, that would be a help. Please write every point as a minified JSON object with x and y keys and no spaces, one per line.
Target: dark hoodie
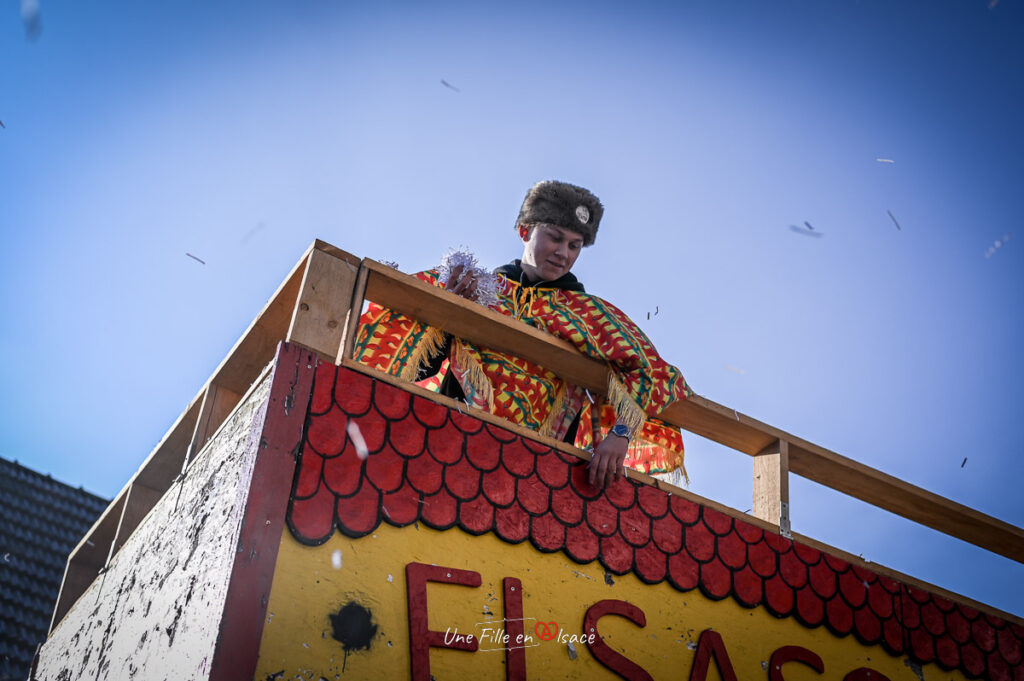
{"x":514,"y":272}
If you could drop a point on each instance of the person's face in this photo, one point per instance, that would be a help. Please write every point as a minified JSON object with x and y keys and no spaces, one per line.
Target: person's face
{"x":550,"y":252}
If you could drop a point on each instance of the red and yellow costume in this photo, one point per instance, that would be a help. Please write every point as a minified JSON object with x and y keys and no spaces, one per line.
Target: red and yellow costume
{"x":641,"y":384}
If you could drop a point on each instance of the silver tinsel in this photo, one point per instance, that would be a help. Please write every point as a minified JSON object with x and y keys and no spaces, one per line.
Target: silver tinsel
{"x":486,"y":282}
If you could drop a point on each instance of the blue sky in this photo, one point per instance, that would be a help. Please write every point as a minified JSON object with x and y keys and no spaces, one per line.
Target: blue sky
{"x":137,"y":132}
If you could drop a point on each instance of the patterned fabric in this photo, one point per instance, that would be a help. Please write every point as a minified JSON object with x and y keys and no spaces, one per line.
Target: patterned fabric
{"x":641,"y":383}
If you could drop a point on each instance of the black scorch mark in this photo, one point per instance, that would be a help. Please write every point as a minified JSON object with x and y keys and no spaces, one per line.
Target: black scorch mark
{"x":353,"y":627}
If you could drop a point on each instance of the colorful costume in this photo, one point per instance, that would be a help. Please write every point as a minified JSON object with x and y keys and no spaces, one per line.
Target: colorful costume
{"x":641,"y":384}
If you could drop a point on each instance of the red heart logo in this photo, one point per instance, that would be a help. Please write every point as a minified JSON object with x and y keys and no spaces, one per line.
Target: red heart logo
{"x":546,"y":631}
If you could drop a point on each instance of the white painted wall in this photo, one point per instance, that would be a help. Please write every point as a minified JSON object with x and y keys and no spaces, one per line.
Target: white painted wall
{"x":155,"y":613}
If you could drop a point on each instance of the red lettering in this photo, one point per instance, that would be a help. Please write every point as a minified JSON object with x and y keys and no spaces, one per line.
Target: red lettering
{"x":611,"y":659}
{"x":421,"y":637}
{"x":515,"y":653}
{"x":711,"y":645}
{"x":793,"y":654}
{"x":865,"y":674}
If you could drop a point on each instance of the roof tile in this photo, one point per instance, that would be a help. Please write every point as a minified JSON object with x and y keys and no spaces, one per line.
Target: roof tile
{"x":523,"y":489}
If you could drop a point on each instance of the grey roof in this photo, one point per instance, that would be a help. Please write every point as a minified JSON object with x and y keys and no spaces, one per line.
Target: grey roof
{"x":41,"y":520}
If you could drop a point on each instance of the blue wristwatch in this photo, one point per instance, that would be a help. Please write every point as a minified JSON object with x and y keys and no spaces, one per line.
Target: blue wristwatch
{"x":620,"y":430}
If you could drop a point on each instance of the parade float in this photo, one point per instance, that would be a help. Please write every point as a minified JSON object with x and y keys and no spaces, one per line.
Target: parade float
{"x":307,"y":517}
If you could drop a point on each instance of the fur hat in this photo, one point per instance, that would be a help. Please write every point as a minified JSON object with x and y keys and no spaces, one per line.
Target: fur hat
{"x":562,"y":204}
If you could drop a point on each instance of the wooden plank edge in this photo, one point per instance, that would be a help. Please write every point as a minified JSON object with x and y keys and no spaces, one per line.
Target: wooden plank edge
{"x":241,"y":402}
{"x":320,"y":245}
{"x":184,"y":422}
{"x":908,"y":501}
{"x":391,"y":288}
{"x":89,"y":556}
{"x":324,"y":273}
{"x":252,"y":332}
{"x":355,"y":311}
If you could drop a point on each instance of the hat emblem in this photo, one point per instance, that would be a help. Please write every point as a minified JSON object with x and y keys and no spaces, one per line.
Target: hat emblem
{"x":582,"y":214}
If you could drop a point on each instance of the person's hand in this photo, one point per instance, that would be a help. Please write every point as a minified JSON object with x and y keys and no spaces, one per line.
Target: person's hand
{"x":464,"y":282}
{"x":608,"y":461}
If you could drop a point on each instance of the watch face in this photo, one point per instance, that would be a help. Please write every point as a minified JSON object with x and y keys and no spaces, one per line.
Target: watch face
{"x":621,"y":430}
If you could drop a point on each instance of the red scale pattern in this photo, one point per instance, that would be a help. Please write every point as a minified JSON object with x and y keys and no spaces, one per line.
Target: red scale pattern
{"x":429,"y":464}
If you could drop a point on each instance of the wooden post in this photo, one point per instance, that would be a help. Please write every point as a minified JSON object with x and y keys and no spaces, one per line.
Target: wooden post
{"x":325,"y":296}
{"x":771,"y":485}
{"x":355,"y":310}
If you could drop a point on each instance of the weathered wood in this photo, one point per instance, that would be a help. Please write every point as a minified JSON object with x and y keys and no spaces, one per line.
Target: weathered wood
{"x":157,"y":606}
{"x":318,"y":320}
{"x":771,"y":484}
{"x":263,"y":518}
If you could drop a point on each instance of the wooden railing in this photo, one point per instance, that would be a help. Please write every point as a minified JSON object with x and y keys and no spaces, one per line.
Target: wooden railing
{"x":318,"y":306}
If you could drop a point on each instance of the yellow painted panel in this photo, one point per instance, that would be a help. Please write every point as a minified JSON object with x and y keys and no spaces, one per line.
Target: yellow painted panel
{"x":313,"y":583}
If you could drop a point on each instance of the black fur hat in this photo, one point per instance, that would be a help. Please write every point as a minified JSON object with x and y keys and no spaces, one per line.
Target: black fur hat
{"x":562,"y":204}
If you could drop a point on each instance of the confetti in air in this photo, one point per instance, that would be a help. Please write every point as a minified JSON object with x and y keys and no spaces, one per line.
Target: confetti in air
{"x":964,"y":462}
{"x":999,"y":243}
{"x":885,"y":160}
{"x":358,"y":442}
{"x":806,"y":232}
{"x":894,"y":220}
{"x":486,"y":282}
{"x":336,"y":559}
{"x":201,"y":262}
{"x":735,"y":370}
{"x":30,"y":17}
{"x":248,"y":235}
{"x":449,"y":85}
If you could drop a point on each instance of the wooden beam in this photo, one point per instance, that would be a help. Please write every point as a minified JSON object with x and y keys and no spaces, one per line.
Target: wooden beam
{"x":904,"y":499}
{"x":217,"y":403}
{"x":138,"y":503}
{"x":478,"y":324}
{"x":355,"y":310}
{"x":726,"y":426}
{"x":88,"y":558}
{"x":318,"y":320}
{"x":771,"y":485}
{"x":699,"y":415}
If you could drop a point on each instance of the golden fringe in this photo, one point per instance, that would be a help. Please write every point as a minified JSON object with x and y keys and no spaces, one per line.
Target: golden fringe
{"x":627,"y":411}
{"x":641,"y":449}
{"x":555,"y":415}
{"x":471,"y":374}
{"x":429,"y":346}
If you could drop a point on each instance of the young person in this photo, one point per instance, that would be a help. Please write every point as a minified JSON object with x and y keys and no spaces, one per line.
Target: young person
{"x":557,"y":220}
